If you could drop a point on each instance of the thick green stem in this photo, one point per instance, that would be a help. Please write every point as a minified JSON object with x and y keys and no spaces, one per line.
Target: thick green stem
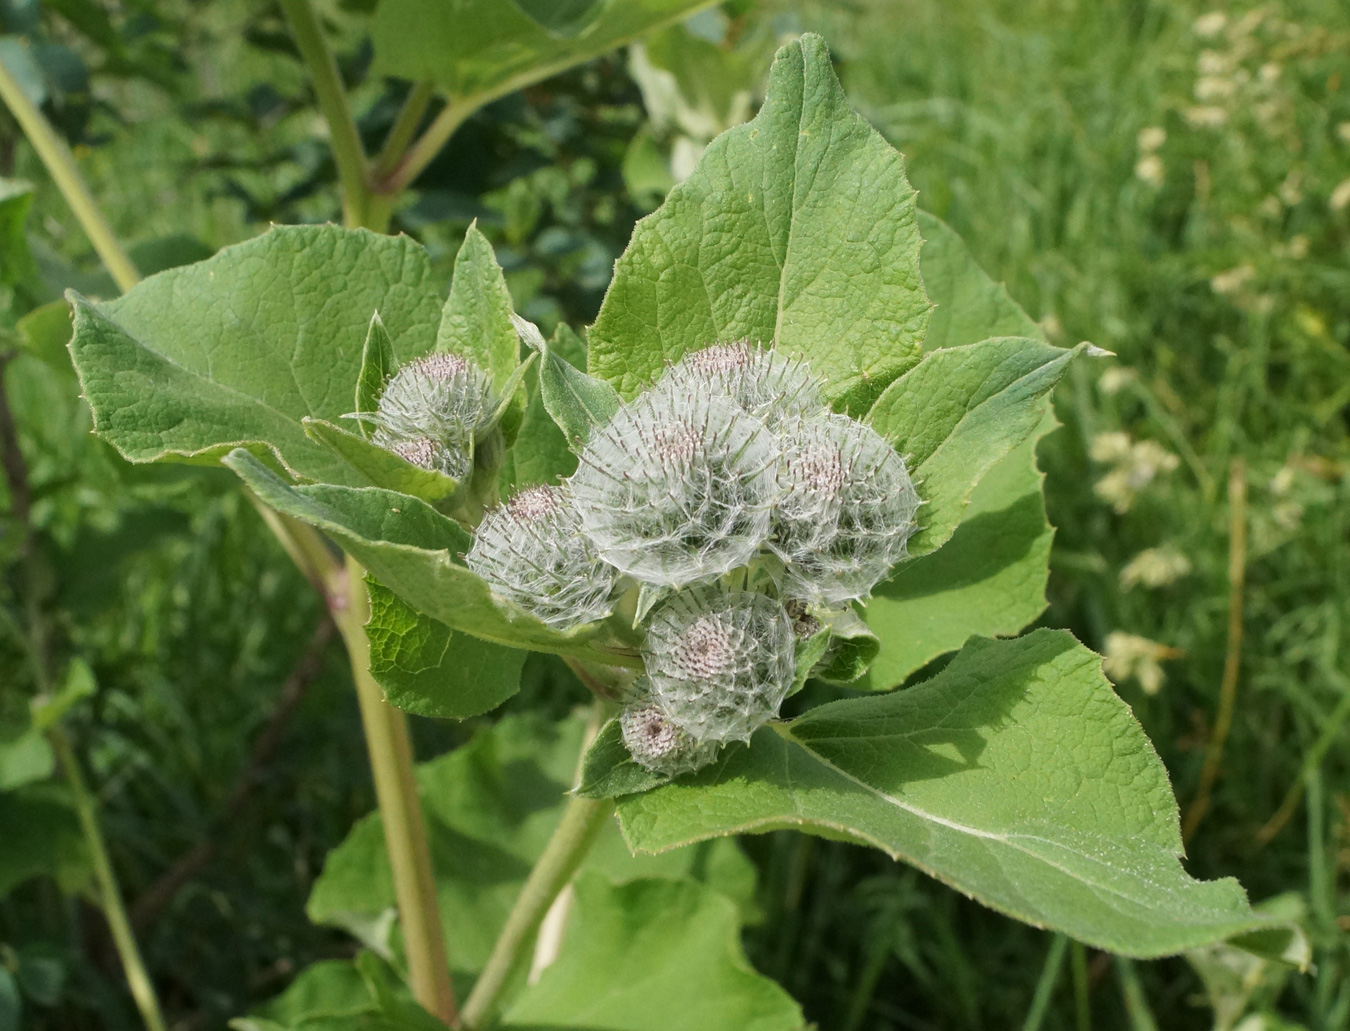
{"x":405,"y":835}
{"x":60,"y":165}
{"x":110,"y":896}
{"x":1045,"y":986}
{"x":581,"y":822}
{"x":343,"y":137}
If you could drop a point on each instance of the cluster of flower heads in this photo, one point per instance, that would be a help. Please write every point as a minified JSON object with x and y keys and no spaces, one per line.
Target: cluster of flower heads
{"x":732,"y":461}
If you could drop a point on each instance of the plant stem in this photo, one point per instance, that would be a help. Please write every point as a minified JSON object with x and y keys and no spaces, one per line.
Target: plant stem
{"x":345,"y":141}
{"x":142,"y":990}
{"x":581,"y":822}
{"x":1045,"y":986}
{"x":1136,"y":1002}
{"x":1237,"y":576}
{"x":415,"y":160}
{"x":60,"y":164}
{"x":405,"y":835}
{"x":402,"y":131}
{"x":1082,"y":1004}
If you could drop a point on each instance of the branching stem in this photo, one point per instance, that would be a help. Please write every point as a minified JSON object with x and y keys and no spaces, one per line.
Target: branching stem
{"x":60,"y":165}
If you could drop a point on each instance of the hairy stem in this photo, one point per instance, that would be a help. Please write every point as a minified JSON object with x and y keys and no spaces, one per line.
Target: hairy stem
{"x":343,"y":137}
{"x":60,"y":165}
{"x":415,"y":160}
{"x":110,"y":896}
{"x":581,"y":822}
{"x":405,"y":835}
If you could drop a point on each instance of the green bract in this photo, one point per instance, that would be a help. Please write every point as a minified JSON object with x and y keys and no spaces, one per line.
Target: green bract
{"x":1014,"y":774}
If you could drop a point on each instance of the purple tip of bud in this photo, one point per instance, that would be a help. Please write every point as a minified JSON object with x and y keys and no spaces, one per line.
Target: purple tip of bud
{"x":439,"y":366}
{"x":420,"y":452}
{"x":534,"y":504}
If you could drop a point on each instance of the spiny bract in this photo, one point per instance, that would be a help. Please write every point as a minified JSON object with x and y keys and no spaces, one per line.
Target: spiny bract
{"x":431,"y":411}
{"x":655,"y":742}
{"x":531,"y":551}
{"x":678,"y":489}
{"x":720,"y":662}
{"x":766,"y":384}
{"x":847,"y":509}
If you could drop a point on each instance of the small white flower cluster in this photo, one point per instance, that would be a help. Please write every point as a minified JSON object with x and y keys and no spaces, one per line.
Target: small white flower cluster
{"x":431,"y":412}
{"x":730,"y":471}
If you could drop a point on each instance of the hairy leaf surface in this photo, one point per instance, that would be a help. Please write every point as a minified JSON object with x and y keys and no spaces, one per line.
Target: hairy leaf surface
{"x":797,"y":228}
{"x":1015,"y":775}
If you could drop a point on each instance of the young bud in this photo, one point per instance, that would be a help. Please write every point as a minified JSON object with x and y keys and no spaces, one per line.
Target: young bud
{"x":678,"y":488}
{"x":763,"y":382}
{"x":531,"y":551}
{"x":720,"y":662}
{"x":658,"y":744}
{"x":847,"y":510}
{"x":431,"y":411}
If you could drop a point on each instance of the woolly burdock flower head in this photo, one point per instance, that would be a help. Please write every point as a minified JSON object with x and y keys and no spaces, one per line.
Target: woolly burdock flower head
{"x":761,"y":381}
{"x":678,"y":488}
{"x":847,"y":510}
{"x":720,"y":662}
{"x":531,"y":551}
{"x":656,"y":743}
{"x":431,"y":411}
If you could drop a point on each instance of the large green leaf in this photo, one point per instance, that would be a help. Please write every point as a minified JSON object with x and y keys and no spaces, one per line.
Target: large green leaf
{"x":428,"y":669}
{"x":490,"y":807}
{"x":416,"y":552}
{"x":652,"y":955}
{"x":958,"y":412}
{"x":477,"y":50}
{"x":1015,"y":775}
{"x":239,"y":348}
{"x":476,"y":319}
{"x":988,"y":580}
{"x":968,"y":306}
{"x":798,"y":228}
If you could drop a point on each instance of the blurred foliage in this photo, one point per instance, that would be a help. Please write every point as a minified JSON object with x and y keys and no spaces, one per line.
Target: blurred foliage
{"x":1170,"y":182}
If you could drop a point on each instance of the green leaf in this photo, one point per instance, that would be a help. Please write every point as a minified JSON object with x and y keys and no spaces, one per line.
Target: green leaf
{"x":988,"y":580}
{"x":25,"y":756}
{"x":429,"y":670}
{"x":652,"y":955}
{"x":16,"y":261}
{"x":238,"y":349}
{"x":380,"y":468}
{"x":540,"y":453}
{"x":477,"y":50}
{"x":852,"y":647}
{"x":608,"y":769}
{"x":416,"y":552}
{"x":377,"y":365}
{"x":578,"y":403}
{"x":958,"y":412}
{"x":78,"y":683}
{"x":476,"y":319}
{"x":1015,"y":775}
{"x":329,"y":988}
{"x":42,"y":838}
{"x":968,"y":306}
{"x":490,"y":807}
{"x":44,"y":333}
{"x":797,"y":228}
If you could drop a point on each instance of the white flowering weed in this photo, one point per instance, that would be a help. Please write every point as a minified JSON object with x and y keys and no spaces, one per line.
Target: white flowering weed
{"x":431,"y":411}
{"x":678,"y":489}
{"x":720,"y":662}
{"x":531,"y":551}
{"x":766,"y":384}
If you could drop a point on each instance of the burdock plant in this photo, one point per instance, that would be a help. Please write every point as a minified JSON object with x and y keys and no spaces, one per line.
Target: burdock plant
{"x":721,"y":509}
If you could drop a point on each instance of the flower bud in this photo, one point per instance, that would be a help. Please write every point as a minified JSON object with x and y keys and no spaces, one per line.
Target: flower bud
{"x":678,"y":488}
{"x":531,"y":551}
{"x":847,"y":510}
{"x":656,"y":743}
{"x":761,"y":381}
{"x":720,"y":662}
{"x":432,"y":410}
